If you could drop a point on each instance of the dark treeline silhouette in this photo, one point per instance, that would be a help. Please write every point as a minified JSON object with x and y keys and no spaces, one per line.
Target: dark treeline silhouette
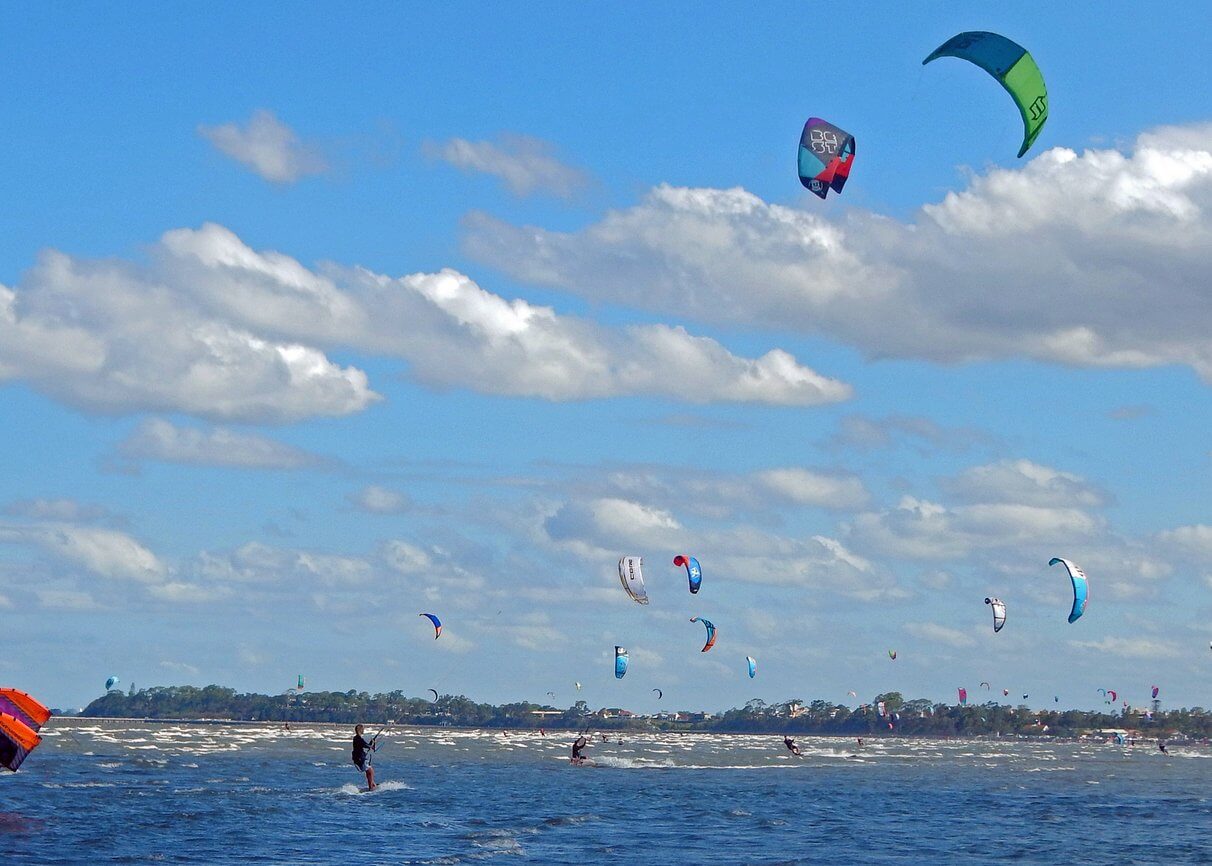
{"x":919,"y":717}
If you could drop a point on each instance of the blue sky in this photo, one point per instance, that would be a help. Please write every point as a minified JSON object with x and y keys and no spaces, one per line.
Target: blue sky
{"x":313,"y":321}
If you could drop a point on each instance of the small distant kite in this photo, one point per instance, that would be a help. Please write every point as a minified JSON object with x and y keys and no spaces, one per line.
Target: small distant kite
{"x":710,"y":632}
{"x":999,"y":613}
{"x":620,"y":662}
{"x":752,"y":663}
{"x":694,"y":574}
{"x":1081,"y":587}
{"x":660,"y":694}
{"x":437,"y":625}
{"x":111,"y":682}
{"x":435,"y":695}
{"x":631,"y":575}
{"x":963,"y":696}
{"x":826,"y":155}
{"x":892,"y":654}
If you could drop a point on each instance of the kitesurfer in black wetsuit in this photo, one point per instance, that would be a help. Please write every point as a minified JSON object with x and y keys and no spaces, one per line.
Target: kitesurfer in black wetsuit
{"x":1162,"y":747}
{"x":791,"y":746}
{"x":577,"y":748}
{"x":361,"y":756}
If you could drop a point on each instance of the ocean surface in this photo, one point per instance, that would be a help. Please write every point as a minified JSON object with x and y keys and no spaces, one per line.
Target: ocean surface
{"x":144,"y":792}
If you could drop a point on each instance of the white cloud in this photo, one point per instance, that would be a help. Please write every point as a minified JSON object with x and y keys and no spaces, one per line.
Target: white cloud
{"x":158,"y":439}
{"x":188,"y":593}
{"x":379,"y":500}
{"x":1194,"y":540}
{"x":66,"y":599}
{"x":216,"y":329}
{"x":104,"y":552}
{"x":526,"y":165}
{"x":1141,"y":648}
{"x":1023,"y":482}
{"x":106,"y":336}
{"x":180,"y":668}
{"x":919,"y":529}
{"x":1092,"y":259}
{"x":806,"y":487}
{"x":267,"y":146}
{"x":65,"y":510}
{"x":935,"y":633}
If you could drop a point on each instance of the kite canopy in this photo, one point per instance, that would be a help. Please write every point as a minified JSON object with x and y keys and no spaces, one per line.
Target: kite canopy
{"x":1155,"y":691}
{"x":578,"y":685}
{"x":694,"y":574}
{"x":434,"y":692}
{"x":21,"y":716}
{"x":620,"y":662}
{"x":660,"y":694}
{"x":752,"y":662}
{"x":892,"y":654}
{"x":437,"y":624}
{"x":710,"y":632}
{"x":984,"y":685}
{"x":826,"y":156}
{"x":1081,"y":587}
{"x":631,"y":575}
{"x":999,"y":613}
{"x":299,"y":685}
{"x":1014,"y":69}
{"x":111,"y":682}
{"x":963,"y":696}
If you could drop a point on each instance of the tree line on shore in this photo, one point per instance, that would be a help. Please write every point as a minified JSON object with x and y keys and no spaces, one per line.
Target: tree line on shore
{"x":901,"y":717}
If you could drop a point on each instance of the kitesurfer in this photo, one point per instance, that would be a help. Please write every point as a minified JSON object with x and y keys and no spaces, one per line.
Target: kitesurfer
{"x":578,"y":747}
{"x":1161,"y":746}
{"x":361,"y":756}
{"x":791,"y":746}
{"x":860,"y":741}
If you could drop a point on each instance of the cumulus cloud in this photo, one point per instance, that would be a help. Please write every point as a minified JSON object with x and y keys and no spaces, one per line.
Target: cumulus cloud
{"x":920,"y":529}
{"x":380,"y":500}
{"x":806,"y":487}
{"x":1195,"y":540}
{"x":526,"y":165}
{"x":935,"y":633}
{"x":158,"y":439}
{"x":106,"y":336}
{"x":216,"y":329}
{"x":66,"y":599}
{"x":1141,"y":648}
{"x":267,"y":146}
{"x":66,"y":510}
{"x":1025,"y":483}
{"x":104,"y":552}
{"x":1091,"y":259}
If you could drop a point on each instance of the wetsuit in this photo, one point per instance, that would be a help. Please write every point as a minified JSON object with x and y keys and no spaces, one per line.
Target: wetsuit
{"x":361,"y":751}
{"x":579,"y":745}
{"x":791,"y":746}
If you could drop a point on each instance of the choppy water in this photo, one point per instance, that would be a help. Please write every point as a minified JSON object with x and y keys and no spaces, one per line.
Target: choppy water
{"x":128,"y":792}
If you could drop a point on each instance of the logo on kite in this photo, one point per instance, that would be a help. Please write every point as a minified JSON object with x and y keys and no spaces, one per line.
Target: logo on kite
{"x":752,"y":663}
{"x":999,"y":613}
{"x":631,"y":575}
{"x":710,"y":632}
{"x":1081,"y":587}
{"x":826,"y":155}
{"x":21,"y":717}
{"x":694,"y":574}
{"x":437,"y":625}
{"x":620,"y":662}
{"x":1014,"y":69}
